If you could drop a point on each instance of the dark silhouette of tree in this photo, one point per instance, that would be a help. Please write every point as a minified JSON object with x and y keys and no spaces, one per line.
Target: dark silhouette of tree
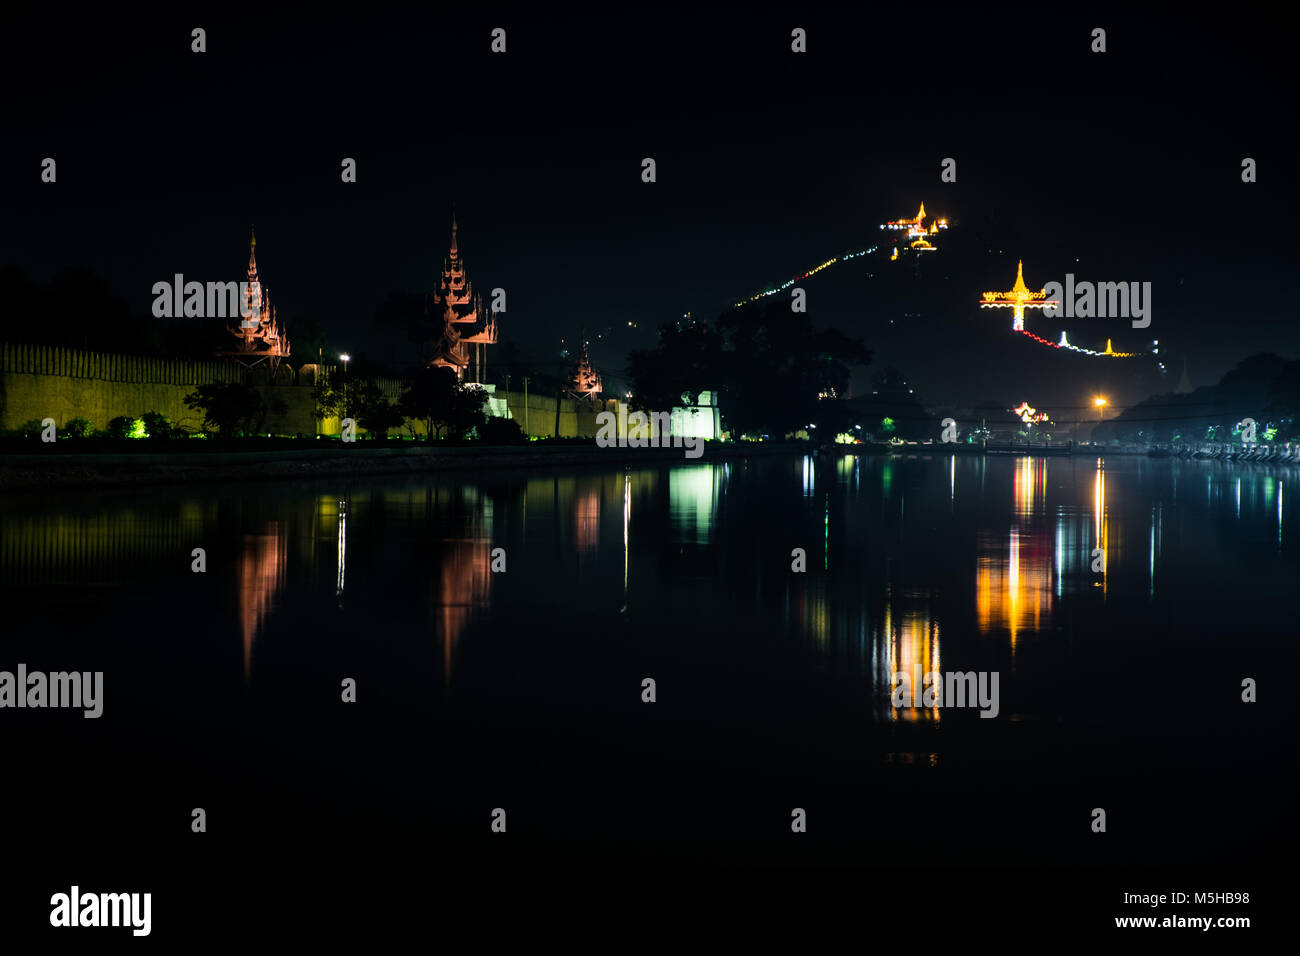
{"x":232,"y":407}
{"x":771,"y":365}
{"x":439,"y":400}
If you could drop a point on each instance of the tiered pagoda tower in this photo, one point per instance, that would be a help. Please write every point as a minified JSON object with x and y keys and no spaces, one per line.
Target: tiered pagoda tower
{"x":584,"y":382}
{"x":467,"y":327}
{"x":260,"y":337}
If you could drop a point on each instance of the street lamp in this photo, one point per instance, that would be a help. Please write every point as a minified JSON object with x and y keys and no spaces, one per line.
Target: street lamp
{"x":345,"y":358}
{"x":1101,"y":407}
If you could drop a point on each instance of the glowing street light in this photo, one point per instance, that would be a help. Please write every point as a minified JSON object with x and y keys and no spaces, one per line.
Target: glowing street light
{"x":345,"y":358}
{"x":1101,"y":405}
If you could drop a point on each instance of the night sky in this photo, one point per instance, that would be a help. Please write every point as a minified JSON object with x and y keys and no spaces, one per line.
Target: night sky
{"x":768,"y":163}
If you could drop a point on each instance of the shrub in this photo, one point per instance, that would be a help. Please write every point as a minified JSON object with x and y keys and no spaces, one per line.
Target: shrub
{"x":79,"y":428}
{"x":501,"y":431}
{"x":158,"y":426}
{"x":124,"y":426}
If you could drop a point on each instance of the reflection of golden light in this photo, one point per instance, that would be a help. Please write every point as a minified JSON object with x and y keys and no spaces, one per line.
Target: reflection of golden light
{"x":586,"y":520}
{"x":1029,"y":486}
{"x":1013,"y":587}
{"x":261,"y":576}
{"x":1099,"y":522}
{"x":913,"y":650}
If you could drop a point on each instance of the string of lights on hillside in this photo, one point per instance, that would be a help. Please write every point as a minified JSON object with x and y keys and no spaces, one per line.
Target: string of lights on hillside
{"x":1065,"y":344}
{"x":1018,"y":298}
{"x":916,"y":231}
{"x":811,"y":272}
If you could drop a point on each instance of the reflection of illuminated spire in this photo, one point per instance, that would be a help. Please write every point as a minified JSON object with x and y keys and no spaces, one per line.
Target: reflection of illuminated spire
{"x":1013,"y":577}
{"x":586,"y":521}
{"x":463,"y":578}
{"x":261,"y":577}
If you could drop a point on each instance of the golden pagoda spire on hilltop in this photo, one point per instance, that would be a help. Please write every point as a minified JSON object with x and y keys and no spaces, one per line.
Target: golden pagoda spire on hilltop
{"x":1018,"y":299}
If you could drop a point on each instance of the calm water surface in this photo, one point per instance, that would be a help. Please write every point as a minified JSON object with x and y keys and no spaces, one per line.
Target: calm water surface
{"x":1119,"y":688}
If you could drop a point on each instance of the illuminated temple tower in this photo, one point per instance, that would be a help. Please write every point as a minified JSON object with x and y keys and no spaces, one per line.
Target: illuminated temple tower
{"x":916,"y":231}
{"x":1019,"y":298}
{"x":465,"y":321}
{"x":260,"y":337}
{"x":584,"y":382}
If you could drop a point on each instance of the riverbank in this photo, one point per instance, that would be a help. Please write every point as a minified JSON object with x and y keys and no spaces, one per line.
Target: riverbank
{"x":60,"y":468}
{"x":63,"y":470}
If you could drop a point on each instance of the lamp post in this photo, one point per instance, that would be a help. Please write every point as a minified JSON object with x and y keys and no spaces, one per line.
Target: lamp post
{"x":345,"y":358}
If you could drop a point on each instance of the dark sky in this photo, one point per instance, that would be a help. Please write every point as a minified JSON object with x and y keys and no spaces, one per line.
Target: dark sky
{"x":768,"y":162}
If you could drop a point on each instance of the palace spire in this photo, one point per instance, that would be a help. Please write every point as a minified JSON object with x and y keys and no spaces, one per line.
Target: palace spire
{"x":260,"y":337}
{"x":456,"y":304}
{"x":584,"y":382}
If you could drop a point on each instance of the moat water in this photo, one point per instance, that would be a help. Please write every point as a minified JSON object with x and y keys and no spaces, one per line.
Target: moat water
{"x":1121,"y":605}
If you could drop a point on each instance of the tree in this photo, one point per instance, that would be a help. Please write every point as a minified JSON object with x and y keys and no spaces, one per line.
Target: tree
{"x":358,"y":397}
{"x":232,"y":407}
{"x":439,"y":400}
{"x":686,"y":361}
{"x":373,"y":411}
{"x":501,"y":431}
{"x":772,"y":365}
{"x":78,"y":427}
{"x":158,"y":426}
{"x":467,"y":412}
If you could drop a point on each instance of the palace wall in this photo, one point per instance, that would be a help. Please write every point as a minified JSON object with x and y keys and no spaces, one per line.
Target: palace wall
{"x":40,"y":381}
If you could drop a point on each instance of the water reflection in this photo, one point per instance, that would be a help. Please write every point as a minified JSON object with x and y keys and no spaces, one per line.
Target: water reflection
{"x":340,"y":579}
{"x":997,"y":573}
{"x":911,"y":647}
{"x":261,"y":570}
{"x":462,"y":587}
{"x":693,"y":499}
